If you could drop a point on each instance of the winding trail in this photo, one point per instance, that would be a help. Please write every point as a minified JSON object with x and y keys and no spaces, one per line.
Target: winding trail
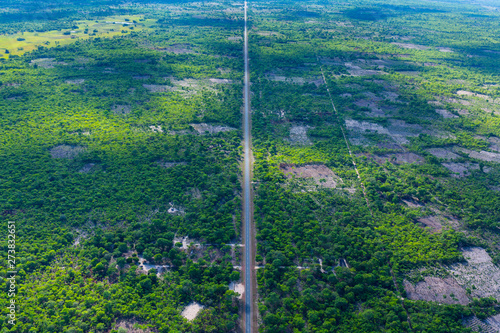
{"x":247,"y":204}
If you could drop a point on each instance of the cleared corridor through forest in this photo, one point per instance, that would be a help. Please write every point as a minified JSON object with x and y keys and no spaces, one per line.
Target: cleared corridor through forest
{"x":247,"y":206}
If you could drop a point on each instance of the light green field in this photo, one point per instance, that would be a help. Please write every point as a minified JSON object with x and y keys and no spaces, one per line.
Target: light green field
{"x":105,"y":28}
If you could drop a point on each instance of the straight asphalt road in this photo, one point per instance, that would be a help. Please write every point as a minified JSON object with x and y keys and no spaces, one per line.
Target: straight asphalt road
{"x":246,"y":193}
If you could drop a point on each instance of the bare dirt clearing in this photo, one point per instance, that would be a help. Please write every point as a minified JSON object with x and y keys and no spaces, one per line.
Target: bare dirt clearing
{"x":482,"y":155}
{"x":397,"y":158}
{"x":319,"y":173}
{"x":167,"y":165}
{"x":294,"y":79}
{"x":191,"y":311}
{"x":47,"y":62}
{"x":479,"y":274}
{"x":411,"y":46}
{"x":237,"y":287}
{"x":432,"y":222}
{"x":436,"y":289}
{"x":66,"y":151}
{"x":156,"y":129}
{"x":154,"y":88}
{"x":446,"y":114}
{"x":75,"y":81}
{"x":211,"y":129}
{"x":461,"y":169}
{"x":298,"y":135}
{"x":177,"y":49}
{"x":355,"y":70}
{"x":445,"y":153}
{"x":131,"y":326}
{"x":469,"y":93}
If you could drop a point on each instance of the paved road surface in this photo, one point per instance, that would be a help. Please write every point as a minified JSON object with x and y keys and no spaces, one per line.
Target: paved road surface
{"x":246,"y":194}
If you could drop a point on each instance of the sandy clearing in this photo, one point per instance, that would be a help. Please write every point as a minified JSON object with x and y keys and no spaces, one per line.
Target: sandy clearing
{"x":294,"y":79}
{"x":167,"y":165}
{"x":177,"y":49}
{"x":298,"y":135}
{"x":371,"y":104}
{"x":482,"y":155}
{"x":46,"y":62}
{"x":435,"y":289}
{"x":203,"y":128}
{"x":479,"y":274}
{"x":358,"y":71}
{"x":433,"y":222}
{"x":460,"y":169}
{"x":320,"y":173}
{"x":130,"y":325}
{"x":411,"y":46}
{"x":396,"y":158}
{"x":158,"y":88}
{"x":445,"y":113}
{"x":445,"y":50}
{"x":156,"y":129}
{"x":66,"y":151}
{"x":75,"y":81}
{"x":191,"y":311}
{"x":469,"y":93}
{"x":494,"y":143}
{"x":445,"y":153}
{"x":221,"y":81}
{"x":237,"y":287}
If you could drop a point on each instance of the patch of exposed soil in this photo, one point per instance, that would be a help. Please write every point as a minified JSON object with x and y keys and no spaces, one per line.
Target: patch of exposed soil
{"x":46,"y":62}
{"x":298,"y":135}
{"x":445,"y":49}
{"x":131,"y":326}
{"x":294,"y":79}
{"x":479,"y":274}
{"x":158,"y":88}
{"x":191,"y":311}
{"x":156,"y":129}
{"x":397,"y":158}
{"x":141,"y":77}
{"x":66,"y":151}
{"x":433,"y":222}
{"x":358,"y":71}
{"x":237,"y":287}
{"x":167,"y":165}
{"x":445,"y":153}
{"x":469,"y":93}
{"x":211,"y":129}
{"x":460,"y":169}
{"x":435,"y":289}
{"x":411,"y":46}
{"x":494,"y":143}
{"x":446,"y":114}
{"x":320,"y":173}
{"x":482,"y":155}
{"x":75,"y":81}
{"x":177,"y":49}
{"x":478,"y":325}
{"x":371,"y":104}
